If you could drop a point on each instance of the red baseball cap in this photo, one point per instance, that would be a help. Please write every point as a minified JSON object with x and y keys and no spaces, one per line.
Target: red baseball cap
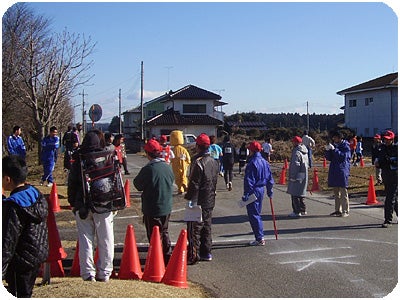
{"x":163,"y":138}
{"x":377,"y":136}
{"x":152,"y":146}
{"x":389,"y":135}
{"x":255,"y":146}
{"x":297,"y":139}
{"x":203,"y":140}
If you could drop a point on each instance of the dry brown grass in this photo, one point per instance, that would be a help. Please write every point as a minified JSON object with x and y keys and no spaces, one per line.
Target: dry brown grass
{"x":73,"y":287}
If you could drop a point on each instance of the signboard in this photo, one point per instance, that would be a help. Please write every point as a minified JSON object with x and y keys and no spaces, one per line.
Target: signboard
{"x":95,"y":113}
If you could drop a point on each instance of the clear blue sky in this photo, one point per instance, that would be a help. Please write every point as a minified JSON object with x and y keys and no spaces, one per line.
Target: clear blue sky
{"x":263,"y":57}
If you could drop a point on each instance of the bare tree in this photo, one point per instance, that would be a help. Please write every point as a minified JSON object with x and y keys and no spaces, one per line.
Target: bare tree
{"x":45,"y":69}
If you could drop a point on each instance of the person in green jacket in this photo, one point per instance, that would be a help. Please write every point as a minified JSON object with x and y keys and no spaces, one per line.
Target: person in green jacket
{"x":155,"y":180}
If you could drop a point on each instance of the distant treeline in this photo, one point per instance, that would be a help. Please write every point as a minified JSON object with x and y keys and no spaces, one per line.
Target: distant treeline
{"x":317,"y":122}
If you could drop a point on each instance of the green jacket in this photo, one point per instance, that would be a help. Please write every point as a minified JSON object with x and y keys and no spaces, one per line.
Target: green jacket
{"x":156,"y":181}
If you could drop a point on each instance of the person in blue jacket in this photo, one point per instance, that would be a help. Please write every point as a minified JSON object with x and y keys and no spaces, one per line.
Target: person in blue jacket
{"x":257,"y":175}
{"x":339,"y":155}
{"x":48,"y":156}
{"x":15,"y":143}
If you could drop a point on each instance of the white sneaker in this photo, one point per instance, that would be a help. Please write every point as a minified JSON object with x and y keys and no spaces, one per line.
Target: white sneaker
{"x":257,"y":243}
{"x":50,"y":184}
{"x":41,"y":182}
{"x":230,"y":186}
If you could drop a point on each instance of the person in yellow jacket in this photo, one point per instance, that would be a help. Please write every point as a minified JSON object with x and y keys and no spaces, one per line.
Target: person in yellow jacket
{"x":181,"y":161}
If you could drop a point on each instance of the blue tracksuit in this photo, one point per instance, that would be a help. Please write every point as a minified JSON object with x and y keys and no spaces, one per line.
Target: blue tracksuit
{"x":16,"y":146}
{"x":257,"y":175}
{"x":48,"y":156}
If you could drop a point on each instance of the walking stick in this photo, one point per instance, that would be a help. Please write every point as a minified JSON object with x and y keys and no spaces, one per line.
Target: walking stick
{"x":273,"y":218}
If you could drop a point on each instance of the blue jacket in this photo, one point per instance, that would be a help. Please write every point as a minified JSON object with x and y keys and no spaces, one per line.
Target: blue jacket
{"x":16,"y":146}
{"x":339,"y":168}
{"x":50,"y":147}
{"x":257,"y":175}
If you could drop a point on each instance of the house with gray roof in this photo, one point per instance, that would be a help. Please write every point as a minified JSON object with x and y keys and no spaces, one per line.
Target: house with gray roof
{"x":372,"y":106}
{"x":191,"y":109}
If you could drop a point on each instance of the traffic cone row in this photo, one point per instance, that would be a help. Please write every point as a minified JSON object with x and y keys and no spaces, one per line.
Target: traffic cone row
{"x":154,"y":271}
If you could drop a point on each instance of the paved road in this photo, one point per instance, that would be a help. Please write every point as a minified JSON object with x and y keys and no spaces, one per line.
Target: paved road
{"x":314,"y":256}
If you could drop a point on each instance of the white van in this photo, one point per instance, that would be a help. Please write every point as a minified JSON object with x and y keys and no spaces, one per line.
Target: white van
{"x":189,"y":139}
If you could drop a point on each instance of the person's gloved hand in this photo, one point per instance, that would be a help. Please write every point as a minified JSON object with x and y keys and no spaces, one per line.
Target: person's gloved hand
{"x":245,"y":198}
{"x":329,"y":147}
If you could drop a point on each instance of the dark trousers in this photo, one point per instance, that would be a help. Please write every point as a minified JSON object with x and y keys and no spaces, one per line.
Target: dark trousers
{"x":162,"y":223}
{"x":199,"y":237}
{"x":228,"y":172}
{"x":298,"y":204}
{"x":21,"y":282}
{"x":391,"y":203}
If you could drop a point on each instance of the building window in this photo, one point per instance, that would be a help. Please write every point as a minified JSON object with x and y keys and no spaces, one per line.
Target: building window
{"x":194,"y":108}
{"x":353,"y":103}
{"x":368,"y":101}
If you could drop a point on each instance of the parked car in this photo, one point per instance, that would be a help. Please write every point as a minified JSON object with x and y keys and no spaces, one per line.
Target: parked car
{"x":189,"y":139}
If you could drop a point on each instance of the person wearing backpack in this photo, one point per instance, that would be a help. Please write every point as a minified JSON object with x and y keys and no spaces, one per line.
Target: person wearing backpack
{"x":94,"y":219}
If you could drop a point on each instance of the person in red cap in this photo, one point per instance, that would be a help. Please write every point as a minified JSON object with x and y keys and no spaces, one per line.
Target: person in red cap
{"x":166,"y":152}
{"x":376,"y":147}
{"x":387,"y":161}
{"x":155,"y":180}
{"x":201,"y":191}
{"x":257,"y":175}
{"x":298,"y":177}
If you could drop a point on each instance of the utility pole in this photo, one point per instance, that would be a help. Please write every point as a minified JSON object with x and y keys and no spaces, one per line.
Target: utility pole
{"x":168,"y":68}
{"x":119,"y":112}
{"x":308,"y":119}
{"x":83,"y":111}
{"x":141,"y":102}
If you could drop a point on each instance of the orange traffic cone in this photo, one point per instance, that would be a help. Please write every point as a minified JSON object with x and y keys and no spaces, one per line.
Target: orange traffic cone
{"x":324,"y":163}
{"x":362,"y":162}
{"x":286,"y":164}
{"x":176,"y":272}
{"x":315,"y":186}
{"x":56,"y":252}
{"x":54,"y":202}
{"x":371,"y":199}
{"x":130,"y":267}
{"x":75,"y":268}
{"x":282,"y":179}
{"x":154,"y":268}
{"x":127,"y":193}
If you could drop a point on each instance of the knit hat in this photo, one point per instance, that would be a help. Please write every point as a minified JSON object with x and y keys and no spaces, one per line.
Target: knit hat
{"x":297,"y":139}
{"x":91,"y":142}
{"x":163,"y":138}
{"x":152,"y":146}
{"x":255,"y":146}
{"x":203,"y":140}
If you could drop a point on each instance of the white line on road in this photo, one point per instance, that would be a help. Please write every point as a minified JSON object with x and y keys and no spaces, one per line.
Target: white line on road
{"x":308,"y":250}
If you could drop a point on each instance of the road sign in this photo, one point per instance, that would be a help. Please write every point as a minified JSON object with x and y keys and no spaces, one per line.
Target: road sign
{"x":95,"y":113}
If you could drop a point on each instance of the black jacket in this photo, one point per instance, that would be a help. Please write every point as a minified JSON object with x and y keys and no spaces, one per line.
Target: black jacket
{"x":25,"y":235}
{"x":203,"y":180}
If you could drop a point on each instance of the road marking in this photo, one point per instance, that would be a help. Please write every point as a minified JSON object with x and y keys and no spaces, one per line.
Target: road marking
{"x":308,"y":250}
{"x":310,"y":262}
{"x":136,"y":216}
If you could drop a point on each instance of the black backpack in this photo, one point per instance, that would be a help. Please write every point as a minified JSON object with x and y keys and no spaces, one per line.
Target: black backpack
{"x":103,"y":187}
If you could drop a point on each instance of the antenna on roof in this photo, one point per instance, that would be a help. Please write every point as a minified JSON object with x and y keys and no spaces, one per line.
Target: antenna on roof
{"x":168,"y":68}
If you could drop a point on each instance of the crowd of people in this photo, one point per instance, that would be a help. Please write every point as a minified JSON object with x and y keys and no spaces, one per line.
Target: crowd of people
{"x":168,"y":164}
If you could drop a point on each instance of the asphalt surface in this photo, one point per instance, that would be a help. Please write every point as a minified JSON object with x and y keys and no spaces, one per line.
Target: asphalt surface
{"x":314,"y":256}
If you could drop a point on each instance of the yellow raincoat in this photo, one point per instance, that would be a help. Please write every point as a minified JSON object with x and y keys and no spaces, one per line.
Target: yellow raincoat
{"x":181,"y":161}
